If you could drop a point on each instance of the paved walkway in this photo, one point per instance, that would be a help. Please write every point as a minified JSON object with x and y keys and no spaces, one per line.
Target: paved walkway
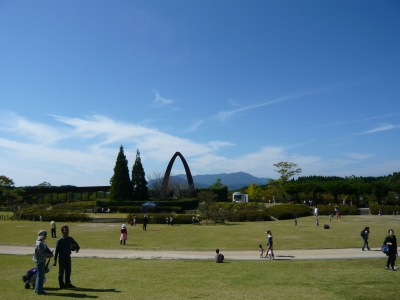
{"x":351,"y":253}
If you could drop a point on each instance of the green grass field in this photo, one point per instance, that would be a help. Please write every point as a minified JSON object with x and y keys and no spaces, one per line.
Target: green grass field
{"x":191,"y":279}
{"x":233,"y":236}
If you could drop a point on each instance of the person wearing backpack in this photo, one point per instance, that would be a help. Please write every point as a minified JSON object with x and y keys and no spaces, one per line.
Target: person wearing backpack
{"x":365,"y":235}
{"x":391,"y":241}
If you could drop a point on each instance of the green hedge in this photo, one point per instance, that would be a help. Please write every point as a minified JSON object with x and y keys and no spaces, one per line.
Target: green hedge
{"x":161,"y":218}
{"x":344,"y":210}
{"x":166,"y":205}
{"x":287,"y":211}
{"x":57,"y":216}
{"x":138,"y":209}
{"x":386,"y":210}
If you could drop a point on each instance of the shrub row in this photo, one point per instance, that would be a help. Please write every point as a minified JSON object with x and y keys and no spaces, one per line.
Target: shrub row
{"x":288,"y":211}
{"x":161,"y":218}
{"x":386,"y":210}
{"x":59,"y":216}
{"x":344,"y":209}
{"x":186,"y":204}
{"x":138,"y":209}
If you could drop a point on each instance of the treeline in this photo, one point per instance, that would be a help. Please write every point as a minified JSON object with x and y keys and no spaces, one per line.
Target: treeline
{"x":383,"y":189}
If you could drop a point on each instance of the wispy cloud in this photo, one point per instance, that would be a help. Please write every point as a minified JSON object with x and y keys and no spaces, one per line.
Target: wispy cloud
{"x":358,"y":156}
{"x":360,"y":120}
{"x":195,"y":125}
{"x":161,"y":101}
{"x":224,"y":115}
{"x":83,"y":152}
{"x":233,"y":102}
{"x":383,"y":127}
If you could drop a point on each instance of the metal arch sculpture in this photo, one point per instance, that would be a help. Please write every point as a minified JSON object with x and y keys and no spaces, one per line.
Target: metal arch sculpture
{"x":192,"y":190}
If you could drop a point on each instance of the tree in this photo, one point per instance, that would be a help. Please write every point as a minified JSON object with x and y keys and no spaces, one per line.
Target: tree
{"x":287,"y":171}
{"x":156,"y":185}
{"x":6,"y":182}
{"x":254,"y":191}
{"x":218,"y":184}
{"x":6,"y":187}
{"x":121,"y":186}
{"x":139,"y":183}
{"x":206,"y":198}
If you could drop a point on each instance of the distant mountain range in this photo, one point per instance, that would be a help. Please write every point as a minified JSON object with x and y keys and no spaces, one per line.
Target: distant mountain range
{"x":233,"y":181}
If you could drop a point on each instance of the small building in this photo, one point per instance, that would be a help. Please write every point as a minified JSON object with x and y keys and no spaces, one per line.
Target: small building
{"x":239,"y":197}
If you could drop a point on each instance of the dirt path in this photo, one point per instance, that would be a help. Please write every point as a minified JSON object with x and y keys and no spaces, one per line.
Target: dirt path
{"x":354,"y":253}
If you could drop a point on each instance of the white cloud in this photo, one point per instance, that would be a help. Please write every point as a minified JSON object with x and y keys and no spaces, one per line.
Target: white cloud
{"x":161,"y":101}
{"x":195,"y":125}
{"x":358,"y":156}
{"x":83,"y":152}
{"x":383,"y":127}
{"x":224,"y":115}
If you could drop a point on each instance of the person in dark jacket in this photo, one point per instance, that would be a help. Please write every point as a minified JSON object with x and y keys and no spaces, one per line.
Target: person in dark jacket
{"x":391,"y":241}
{"x":219,"y":257}
{"x":64,"y":246}
{"x":365,"y":237}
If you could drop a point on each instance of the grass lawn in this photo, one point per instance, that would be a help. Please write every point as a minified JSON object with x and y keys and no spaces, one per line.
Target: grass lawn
{"x":233,"y":236}
{"x":190,"y":279}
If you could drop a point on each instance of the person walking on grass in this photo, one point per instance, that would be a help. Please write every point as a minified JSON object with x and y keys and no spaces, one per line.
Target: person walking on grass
{"x":64,"y":246}
{"x":145,"y":223}
{"x":365,"y":236}
{"x":261,"y":250}
{"x":39,"y":257}
{"x":53,"y":229}
{"x":391,"y":241}
{"x":270,"y":249}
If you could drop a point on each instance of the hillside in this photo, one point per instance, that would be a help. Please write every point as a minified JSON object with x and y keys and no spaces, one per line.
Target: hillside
{"x":233,"y":181}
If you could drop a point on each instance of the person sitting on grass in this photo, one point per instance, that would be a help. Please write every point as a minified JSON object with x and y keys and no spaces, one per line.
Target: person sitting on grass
{"x":219,"y":258}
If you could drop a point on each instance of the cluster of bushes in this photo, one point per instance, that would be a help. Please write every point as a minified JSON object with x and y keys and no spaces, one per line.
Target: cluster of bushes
{"x":68,"y":212}
{"x":160,"y":218}
{"x":245,"y":216}
{"x":135,"y":206}
{"x":385,"y":210}
{"x":138,"y":209}
{"x":344,"y":209}
{"x":288,"y":211}
{"x":55,"y":215}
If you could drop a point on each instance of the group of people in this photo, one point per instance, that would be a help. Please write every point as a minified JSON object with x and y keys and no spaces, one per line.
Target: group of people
{"x":389,"y":241}
{"x":66,"y":244}
{"x":270,"y":251}
{"x":62,"y":255}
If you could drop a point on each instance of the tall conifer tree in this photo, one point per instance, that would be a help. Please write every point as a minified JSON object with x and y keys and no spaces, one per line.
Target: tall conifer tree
{"x":121,"y":186}
{"x":139,"y":183}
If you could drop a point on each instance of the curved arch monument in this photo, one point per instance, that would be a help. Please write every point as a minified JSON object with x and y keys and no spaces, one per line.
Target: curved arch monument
{"x":192,"y":190}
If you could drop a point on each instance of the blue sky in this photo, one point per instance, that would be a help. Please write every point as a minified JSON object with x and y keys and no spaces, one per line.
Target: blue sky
{"x":233,"y":85}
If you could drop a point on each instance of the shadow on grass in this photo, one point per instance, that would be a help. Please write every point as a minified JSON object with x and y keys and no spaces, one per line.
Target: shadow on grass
{"x":73,"y":293}
{"x":285,"y":257}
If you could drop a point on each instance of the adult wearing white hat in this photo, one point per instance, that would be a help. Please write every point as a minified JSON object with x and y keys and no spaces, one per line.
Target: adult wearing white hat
{"x":39,"y":257}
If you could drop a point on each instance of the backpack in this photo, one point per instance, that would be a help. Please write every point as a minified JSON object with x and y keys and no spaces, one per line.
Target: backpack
{"x":362,"y":233}
{"x":385,"y":249}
